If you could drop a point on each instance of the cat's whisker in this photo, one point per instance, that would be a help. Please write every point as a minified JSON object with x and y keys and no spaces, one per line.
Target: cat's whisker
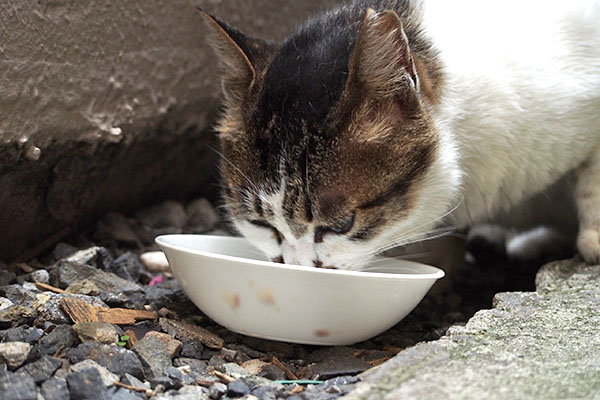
{"x":402,"y":240}
{"x":250,"y":183}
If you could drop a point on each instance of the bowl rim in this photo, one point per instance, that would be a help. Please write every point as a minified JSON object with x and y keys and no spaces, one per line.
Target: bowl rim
{"x":436,"y":273}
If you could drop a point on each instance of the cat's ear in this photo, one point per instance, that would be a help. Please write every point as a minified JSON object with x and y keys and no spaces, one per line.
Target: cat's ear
{"x":382,"y":61}
{"x":238,"y":55}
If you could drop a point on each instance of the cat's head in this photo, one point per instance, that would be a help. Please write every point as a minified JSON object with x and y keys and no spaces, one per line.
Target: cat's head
{"x":329,"y":150}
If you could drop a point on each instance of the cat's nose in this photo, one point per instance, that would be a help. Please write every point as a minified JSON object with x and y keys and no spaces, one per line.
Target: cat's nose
{"x":317,"y":264}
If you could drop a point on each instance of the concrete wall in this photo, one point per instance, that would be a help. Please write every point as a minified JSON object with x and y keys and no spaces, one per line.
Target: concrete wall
{"x":107,"y":105}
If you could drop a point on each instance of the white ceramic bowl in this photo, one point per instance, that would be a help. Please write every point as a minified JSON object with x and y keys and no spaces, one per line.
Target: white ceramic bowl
{"x":234,"y":284}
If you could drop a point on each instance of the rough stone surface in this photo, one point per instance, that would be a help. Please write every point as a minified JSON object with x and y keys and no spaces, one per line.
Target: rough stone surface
{"x":14,"y":354}
{"x":541,"y":344}
{"x":108,"y":378}
{"x":41,"y":369}
{"x":101,"y":332}
{"x":17,"y":387}
{"x":114,"y":358}
{"x":86,"y":385}
{"x":173,"y":346}
{"x":113,"y":289}
{"x":55,"y":389}
{"x":154,"y":356}
{"x":60,"y":338}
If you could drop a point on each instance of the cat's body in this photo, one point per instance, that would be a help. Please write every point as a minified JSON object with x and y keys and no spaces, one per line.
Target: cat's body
{"x":376,"y":122}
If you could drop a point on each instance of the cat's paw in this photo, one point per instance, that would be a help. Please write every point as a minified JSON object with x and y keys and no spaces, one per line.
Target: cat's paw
{"x":588,"y":244}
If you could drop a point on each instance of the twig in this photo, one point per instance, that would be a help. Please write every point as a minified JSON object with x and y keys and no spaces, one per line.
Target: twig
{"x":134,"y":388}
{"x":50,"y":288}
{"x":224,"y":378}
{"x":289,"y":374}
{"x":205,"y":383}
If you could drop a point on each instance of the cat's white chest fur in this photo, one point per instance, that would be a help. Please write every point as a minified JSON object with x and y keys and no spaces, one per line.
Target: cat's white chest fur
{"x":521,"y":104}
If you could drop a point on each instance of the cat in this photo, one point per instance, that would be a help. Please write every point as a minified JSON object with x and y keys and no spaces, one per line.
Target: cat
{"x":377,"y":122}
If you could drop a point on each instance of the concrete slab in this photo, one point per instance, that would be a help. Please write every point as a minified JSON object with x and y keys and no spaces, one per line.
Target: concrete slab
{"x":530,"y":345}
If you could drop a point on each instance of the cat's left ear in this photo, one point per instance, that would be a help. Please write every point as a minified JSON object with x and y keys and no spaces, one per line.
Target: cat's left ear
{"x":382,"y":62}
{"x":239,"y":55}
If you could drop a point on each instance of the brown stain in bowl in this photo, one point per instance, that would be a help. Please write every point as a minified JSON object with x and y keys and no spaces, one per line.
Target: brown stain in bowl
{"x":266,"y":296}
{"x":232,"y":299}
{"x":322,"y":333}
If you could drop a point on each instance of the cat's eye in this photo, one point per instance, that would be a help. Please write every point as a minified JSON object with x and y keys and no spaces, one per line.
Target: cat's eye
{"x":343,"y":227}
{"x":264,"y":224}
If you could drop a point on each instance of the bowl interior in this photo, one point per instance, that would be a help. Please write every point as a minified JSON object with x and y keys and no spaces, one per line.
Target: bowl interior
{"x":240,"y":250}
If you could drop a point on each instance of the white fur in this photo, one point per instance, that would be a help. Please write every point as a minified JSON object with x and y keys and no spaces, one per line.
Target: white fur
{"x":522,"y":99}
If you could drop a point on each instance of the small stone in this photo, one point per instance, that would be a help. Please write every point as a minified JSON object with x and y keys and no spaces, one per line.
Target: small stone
{"x":41,"y":369}
{"x":16,"y":315}
{"x":336,"y":361}
{"x":167,"y":214}
{"x":14,"y":354}
{"x":21,"y":333}
{"x":179,"y":377}
{"x":191,"y":349}
{"x":217,"y":390}
{"x":264,"y":393}
{"x":228,"y":355}
{"x":127,"y":264}
{"x":216,"y":361}
{"x":114,"y":291}
{"x":237,"y":388}
{"x":63,"y":250}
{"x":6,"y":277}
{"x":131,"y":380}
{"x":155,"y":261}
{"x":116,"y":359}
{"x":202,"y":216}
{"x":116,"y":226}
{"x":86,"y":385}
{"x":254,"y":381}
{"x":108,"y":378}
{"x":254,"y":366}
{"x":93,"y":256}
{"x":18,"y":294}
{"x":165,"y":294}
{"x":119,"y":393}
{"x":55,"y":389}
{"x":60,"y":337}
{"x":197,"y":366}
{"x":233,"y":370}
{"x":183,"y":331}
{"x":154,"y":356}
{"x":172,"y":345}
{"x":40,"y":276}
{"x":192,"y":393}
{"x":164,"y":382}
{"x":85,"y":287}
{"x":272,"y":372}
{"x":101,"y":332}
{"x":5,"y":303}
{"x":17,"y":387}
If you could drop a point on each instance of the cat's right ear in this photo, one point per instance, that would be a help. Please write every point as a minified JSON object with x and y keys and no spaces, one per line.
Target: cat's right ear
{"x":237,"y":55}
{"x":382,"y":61}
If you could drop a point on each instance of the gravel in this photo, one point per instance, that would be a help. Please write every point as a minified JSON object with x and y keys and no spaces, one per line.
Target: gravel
{"x":182,"y":354}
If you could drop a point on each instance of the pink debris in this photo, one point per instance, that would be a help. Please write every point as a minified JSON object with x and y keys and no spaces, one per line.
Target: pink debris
{"x":156,"y":280}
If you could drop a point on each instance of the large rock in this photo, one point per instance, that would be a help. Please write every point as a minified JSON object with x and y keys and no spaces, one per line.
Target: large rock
{"x":107,"y":106}
{"x":542,"y":345}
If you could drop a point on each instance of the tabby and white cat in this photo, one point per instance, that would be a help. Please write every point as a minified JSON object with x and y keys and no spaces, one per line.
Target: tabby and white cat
{"x":378,"y":121}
